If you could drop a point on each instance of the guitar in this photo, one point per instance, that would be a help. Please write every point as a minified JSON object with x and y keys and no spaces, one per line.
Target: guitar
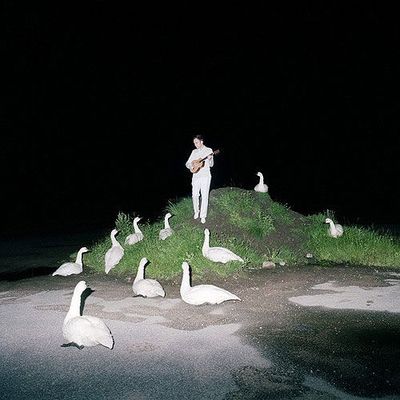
{"x":199,"y":163}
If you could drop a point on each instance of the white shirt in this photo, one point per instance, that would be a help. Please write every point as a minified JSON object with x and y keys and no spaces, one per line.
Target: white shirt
{"x":201,"y":153}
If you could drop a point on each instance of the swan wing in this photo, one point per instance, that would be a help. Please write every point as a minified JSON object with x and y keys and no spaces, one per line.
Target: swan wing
{"x":339,"y":229}
{"x":131,"y":239}
{"x":134,"y":238}
{"x":68,"y":268}
{"x":88,"y":331}
{"x":202,"y":294}
{"x":113,"y":256}
{"x":99,"y":331}
{"x":148,"y":288}
{"x":221,"y":254}
{"x":164,"y":233}
{"x":261,"y":188}
{"x":335,"y":231}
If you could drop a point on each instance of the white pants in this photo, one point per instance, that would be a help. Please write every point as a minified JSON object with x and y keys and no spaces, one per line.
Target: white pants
{"x":201,"y":186}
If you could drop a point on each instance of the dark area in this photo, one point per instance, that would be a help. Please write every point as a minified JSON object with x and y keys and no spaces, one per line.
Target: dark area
{"x":100,"y":101}
{"x":353,"y":362}
{"x":12,"y":276}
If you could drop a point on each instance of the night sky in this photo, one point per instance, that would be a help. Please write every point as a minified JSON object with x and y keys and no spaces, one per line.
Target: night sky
{"x":99,"y":104}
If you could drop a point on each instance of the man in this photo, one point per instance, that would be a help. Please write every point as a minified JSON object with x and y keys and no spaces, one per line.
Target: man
{"x":201,"y":178}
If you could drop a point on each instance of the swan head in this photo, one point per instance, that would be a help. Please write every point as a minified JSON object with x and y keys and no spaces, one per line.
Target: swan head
{"x":207,"y":232}
{"x":84,"y":249}
{"x":259,"y":174}
{"x":328,"y":221}
{"x":137,"y":219}
{"x":81,"y":286}
{"x":114,"y":232}
{"x":168,"y":215}
{"x":143,"y":262}
{"x":185,"y":266}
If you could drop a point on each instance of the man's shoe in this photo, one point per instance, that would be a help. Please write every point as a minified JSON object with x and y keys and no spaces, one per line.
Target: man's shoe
{"x":203,"y":220}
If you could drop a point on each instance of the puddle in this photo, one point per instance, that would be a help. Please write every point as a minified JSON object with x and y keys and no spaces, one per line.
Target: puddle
{"x":381,"y":298}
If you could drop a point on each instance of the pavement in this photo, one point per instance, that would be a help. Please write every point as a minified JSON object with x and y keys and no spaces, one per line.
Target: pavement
{"x":299,"y":333}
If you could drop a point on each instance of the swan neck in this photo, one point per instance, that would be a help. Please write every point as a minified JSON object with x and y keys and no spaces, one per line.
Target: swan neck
{"x":139,"y":274}
{"x":166,"y":223}
{"x":79,"y":257}
{"x":74,"y":308}
{"x":185,"y":284}
{"x":114,"y":241}
{"x":261,"y":179}
{"x":206,"y":244}
{"x":136,"y":228}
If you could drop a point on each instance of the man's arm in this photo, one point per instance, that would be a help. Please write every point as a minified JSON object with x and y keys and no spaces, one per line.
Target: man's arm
{"x":211,"y":159}
{"x":188,"y":163}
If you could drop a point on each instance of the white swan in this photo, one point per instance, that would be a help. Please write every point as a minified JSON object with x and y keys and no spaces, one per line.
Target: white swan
{"x":261,"y":186}
{"x":201,"y":294}
{"x":72,"y":268}
{"x":137,"y":236}
{"x":114,"y":253}
{"x":217,"y":254}
{"x":167,"y":231}
{"x":146,"y":287}
{"x":334,"y":230}
{"x":84,"y":330}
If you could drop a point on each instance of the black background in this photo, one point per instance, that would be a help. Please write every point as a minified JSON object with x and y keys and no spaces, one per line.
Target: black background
{"x":100,"y":102}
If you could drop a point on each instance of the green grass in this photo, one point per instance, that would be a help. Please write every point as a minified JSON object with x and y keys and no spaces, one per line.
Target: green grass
{"x":166,"y":256}
{"x":357,"y":246}
{"x":257,"y":216}
{"x":243,"y":212}
{"x":281,"y":255}
{"x":281,"y":212}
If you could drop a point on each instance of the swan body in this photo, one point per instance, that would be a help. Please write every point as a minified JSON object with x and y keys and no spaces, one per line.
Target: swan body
{"x":72,"y":268}
{"x":167,"y":231}
{"x":137,"y":236}
{"x":202,"y":294}
{"x":334,"y":230}
{"x":261,"y":186}
{"x":146,"y":287}
{"x":217,"y":254}
{"x":114,"y":253}
{"x":84,"y":330}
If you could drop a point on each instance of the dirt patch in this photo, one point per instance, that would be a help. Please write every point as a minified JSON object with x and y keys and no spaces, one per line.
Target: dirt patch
{"x":288,"y":226}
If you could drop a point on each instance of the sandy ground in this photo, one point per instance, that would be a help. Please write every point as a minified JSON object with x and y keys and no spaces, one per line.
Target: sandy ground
{"x":306,"y":333}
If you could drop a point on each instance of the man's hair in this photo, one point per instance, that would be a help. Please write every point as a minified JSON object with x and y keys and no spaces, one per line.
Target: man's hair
{"x":199,"y":137}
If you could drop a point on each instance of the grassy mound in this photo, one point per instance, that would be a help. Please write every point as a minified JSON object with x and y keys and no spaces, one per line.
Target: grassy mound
{"x":250,"y":224}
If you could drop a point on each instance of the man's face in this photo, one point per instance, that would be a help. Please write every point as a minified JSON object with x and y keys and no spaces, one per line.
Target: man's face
{"x":198,"y":143}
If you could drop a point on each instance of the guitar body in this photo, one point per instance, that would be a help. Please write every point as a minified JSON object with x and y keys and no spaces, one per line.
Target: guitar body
{"x":198,"y":164}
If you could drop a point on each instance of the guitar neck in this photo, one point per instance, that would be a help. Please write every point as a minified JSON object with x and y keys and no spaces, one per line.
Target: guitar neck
{"x":211,"y":154}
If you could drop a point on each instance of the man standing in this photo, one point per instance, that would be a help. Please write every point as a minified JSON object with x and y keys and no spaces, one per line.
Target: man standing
{"x":199,"y":163}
